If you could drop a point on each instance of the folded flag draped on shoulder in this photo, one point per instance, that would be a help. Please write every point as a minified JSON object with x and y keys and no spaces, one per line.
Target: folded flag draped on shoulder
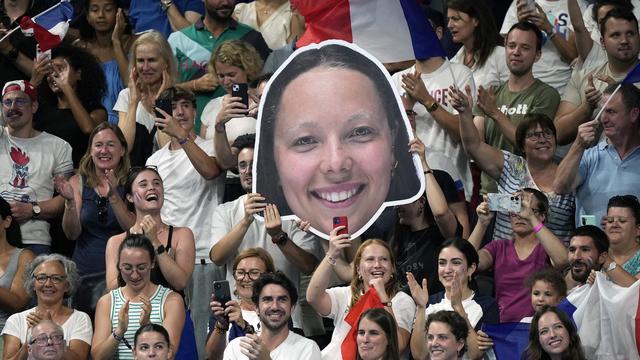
{"x":606,"y":316}
{"x":50,"y":26}
{"x":367,"y":301}
{"x":391,"y":30}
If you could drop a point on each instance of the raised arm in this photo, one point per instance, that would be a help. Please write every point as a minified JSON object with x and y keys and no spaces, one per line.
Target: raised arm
{"x":301,"y":259}
{"x":570,"y":116}
{"x":484,"y":220}
{"x":582,"y":37}
{"x":229,"y":243}
{"x":444,"y":217}
{"x":486,"y":156}
{"x":70,"y":191}
{"x":567,"y":175}
{"x":127,"y":120}
{"x":420,"y":295}
{"x":553,"y":246}
{"x":317,"y":294}
{"x":487,"y":102}
{"x":416,"y":89}
{"x":232,"y":107}
{"x":566,"y":47}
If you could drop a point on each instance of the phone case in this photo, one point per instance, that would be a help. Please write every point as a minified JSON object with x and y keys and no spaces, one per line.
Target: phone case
{"x":504,"y":202}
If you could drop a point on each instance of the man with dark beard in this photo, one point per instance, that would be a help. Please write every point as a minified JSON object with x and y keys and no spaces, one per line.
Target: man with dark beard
{"x":275,"y":296}
{"x":499,"y":111}
{"x":194,"y":45}
{"x":587,"y":251}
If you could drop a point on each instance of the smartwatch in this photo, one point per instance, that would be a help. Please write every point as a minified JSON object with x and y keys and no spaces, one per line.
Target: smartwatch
{"x":280,"y":239}
{"x":160,"y":249}
{"x":432,"y":107}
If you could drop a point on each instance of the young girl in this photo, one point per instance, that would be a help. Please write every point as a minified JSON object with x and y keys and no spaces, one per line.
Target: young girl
{"x":547,"y":287}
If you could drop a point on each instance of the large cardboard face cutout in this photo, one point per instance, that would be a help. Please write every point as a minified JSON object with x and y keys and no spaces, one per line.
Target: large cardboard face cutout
{"x":333,"y":140}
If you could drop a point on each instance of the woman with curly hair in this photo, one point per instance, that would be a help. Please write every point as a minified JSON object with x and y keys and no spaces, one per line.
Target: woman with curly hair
{"x":373,"y":267}
{"x":552,"y":335}
{"x":103,"y":32}
{"x":70,"y":90}
{"x":52,"y":279}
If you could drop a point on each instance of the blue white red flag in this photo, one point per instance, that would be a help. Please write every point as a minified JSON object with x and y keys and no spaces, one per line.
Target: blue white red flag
{"x":50,"y":26}
{"x":391,"y":30}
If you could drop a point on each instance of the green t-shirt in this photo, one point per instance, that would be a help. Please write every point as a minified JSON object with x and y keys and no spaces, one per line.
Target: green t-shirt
{"x":538,"y":98}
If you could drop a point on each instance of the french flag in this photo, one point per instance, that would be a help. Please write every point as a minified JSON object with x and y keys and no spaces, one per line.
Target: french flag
{"x":50,"y":26}
{"x":391,"y":30}
{"x":605,"y":314}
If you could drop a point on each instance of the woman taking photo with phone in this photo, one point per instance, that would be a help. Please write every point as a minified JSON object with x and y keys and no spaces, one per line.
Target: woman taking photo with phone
{"x":238,"y":317}
{"x":535,"y":136}
{"x":136,"y":302}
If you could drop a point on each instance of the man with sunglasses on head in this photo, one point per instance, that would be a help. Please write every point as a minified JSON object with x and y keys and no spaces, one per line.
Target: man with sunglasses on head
{"x":29,"y":160}
{"x":46,"y":341}
{"x":612,"y":166}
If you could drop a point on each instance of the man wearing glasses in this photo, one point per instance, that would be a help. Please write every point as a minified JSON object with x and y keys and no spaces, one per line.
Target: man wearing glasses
{"x":612,"y":166}
{"x":46,"y":341}
{"x":29,"y":160}
{"x":235,"y":229}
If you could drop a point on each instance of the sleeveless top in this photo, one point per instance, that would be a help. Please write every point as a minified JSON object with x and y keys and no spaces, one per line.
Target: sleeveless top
{"x":135,"y":308}
{"x":99,"y":223}
{"x":157,"y":277}
{"x":114,"y":86}
{"x":7,"y":278}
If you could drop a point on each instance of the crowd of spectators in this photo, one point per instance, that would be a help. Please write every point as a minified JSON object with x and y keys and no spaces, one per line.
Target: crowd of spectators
{"x":122,"y":220}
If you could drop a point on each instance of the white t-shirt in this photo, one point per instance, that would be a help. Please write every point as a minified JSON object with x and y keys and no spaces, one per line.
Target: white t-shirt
{"x":404,"y":311}
{"x":227,"y":215}
{"x":275,"y":30}
{"x":493,"y":73}
{"x":234,"y":127}
{"x":142,"y":115}
{"x":189,"y":198}
{"x":550,"y":68}
{"x":77,"y":326}
{"x":293,"y":347}
{"x":27,"y":168}
{"x":443,"y":152}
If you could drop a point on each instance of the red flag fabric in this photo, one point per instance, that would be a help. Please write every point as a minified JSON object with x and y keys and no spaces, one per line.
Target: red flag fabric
{"x":44,"y":38}
{"x":367,"y":301}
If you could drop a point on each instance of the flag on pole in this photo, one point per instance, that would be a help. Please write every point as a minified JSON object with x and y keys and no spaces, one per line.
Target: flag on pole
{"x":367,"y":301}
{"x":50,"y":26}
{"x":391,"y":30}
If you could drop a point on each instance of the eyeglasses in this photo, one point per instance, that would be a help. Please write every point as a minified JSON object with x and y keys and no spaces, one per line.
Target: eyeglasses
{"x":240,"y":274}
{"x":128,"y":269}
{"x":533,"y":135}
{"x":101,"y":203}
{"x":18,"y":102}
{"x":43,"y":339}
{"x":56,"y":279}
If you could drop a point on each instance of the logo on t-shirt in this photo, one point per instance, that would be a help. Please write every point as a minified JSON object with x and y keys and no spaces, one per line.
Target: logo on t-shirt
{"x":18,"y":188}
{"x":520,"y":109}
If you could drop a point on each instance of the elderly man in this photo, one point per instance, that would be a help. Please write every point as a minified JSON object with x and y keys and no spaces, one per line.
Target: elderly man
{"x":46,"y":341}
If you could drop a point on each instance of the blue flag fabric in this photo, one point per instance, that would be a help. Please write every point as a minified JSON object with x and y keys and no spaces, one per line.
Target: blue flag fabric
{"x":425,"y":42}
{"x":633,"y":76}
{"x":509,"y":339}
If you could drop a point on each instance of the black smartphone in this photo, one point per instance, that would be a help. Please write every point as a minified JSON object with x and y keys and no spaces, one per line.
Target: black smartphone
{"x":241,"y":91}
{"x":163,"y":103}
{"x":221,"y":291}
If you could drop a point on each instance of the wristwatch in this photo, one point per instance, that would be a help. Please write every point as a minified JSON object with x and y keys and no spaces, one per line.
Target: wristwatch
{"x":160,"y":249}
{"x":432,"y":107}
{"x":612,"y":266}
{"x":280,"y":239}
{"x":248,"y":328}
{"x":35,"y":210}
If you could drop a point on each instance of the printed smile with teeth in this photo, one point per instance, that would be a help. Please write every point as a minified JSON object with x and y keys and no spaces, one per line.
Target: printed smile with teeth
{"x":338,"y":196}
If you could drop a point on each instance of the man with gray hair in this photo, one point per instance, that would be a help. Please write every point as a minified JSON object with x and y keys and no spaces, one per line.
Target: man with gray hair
{"x":46,"y":341}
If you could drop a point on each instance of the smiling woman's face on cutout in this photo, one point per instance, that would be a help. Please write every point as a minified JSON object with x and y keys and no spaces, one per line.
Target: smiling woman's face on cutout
{"x":333,"y":147}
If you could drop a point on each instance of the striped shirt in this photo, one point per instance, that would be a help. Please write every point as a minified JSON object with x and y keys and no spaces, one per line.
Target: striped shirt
{"x":135,"y":309}
{"x":515,"y":176}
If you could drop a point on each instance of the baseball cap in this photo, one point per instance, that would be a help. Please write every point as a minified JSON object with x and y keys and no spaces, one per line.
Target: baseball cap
{"x":20,"y":85}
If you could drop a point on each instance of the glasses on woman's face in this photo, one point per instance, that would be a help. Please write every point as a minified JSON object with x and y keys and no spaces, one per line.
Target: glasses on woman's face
{"x":55,"y":279}
{"x":128,"y":269}
{"x":253,"y":274}
{"x":43,"y":339}
{"x":535,"y":135}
